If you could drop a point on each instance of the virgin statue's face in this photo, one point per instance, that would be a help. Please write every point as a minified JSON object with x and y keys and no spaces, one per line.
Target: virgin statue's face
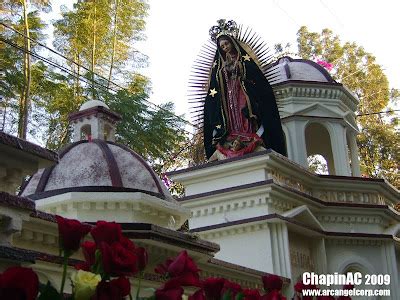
{"x":225,"y":45}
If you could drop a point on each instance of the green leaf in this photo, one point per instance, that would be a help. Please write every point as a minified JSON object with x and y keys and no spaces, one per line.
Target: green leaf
{"x":239,"y":296}
{"x":48,"y":292}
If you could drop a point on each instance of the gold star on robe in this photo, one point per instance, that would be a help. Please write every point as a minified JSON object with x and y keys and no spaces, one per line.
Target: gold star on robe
{"x":213,"y":92}
{"x":214,"y":64}
{"x":246,"y":57}
{"x":218,"y":126}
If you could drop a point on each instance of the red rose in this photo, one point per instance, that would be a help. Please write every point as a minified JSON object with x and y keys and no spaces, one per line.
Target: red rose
{"x":169,"y":294}
{"x":71,"y":232}
{"x":182,"y":270}
{"x":163,"y":268}
{"x":186,"y":279}
{"x":299,"y":287}
{"x":232,"y":288}
{"x":127,"y":243}
{"x":142,"y":258}
{"x":18,"y":283}
{"x":272,"y":282}
{"x":115,"y":289}
{"x":250,"y":294}
{"x":108,"y":232}
{"x":183,"y":263}
{"x":213,"y":288}
{"x":89,"y":252}
{"x":117,"y":260}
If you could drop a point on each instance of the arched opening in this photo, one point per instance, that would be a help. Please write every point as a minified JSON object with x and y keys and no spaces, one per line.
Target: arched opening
{"x":319,"y":148}
{"x":317,"y":164}
{"x":107,"y":132}
{"x":86,"y":132}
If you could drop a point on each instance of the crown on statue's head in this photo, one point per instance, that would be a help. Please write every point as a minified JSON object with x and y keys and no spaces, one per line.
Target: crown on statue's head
{"x":224,"y":28}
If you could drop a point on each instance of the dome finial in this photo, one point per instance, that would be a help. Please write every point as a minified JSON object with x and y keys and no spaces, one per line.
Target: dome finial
{"x":94,"y":120}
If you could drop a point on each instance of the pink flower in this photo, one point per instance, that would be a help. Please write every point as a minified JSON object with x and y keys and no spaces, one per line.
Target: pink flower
{"x":166,"y":181}
{"x":325,"y":64}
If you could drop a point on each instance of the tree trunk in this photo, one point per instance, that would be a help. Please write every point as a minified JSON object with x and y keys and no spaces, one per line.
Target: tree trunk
{"x":114,"y":42}
{"x":24,"y":100}
{"x":4,"y":111}
{"x":94,"y":50}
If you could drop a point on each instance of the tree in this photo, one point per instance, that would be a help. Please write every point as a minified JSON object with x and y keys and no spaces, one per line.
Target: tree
{"x":357,"y":69}
{"x":99,"y":36}
{"x":23,"y":6}
{"x":17,"y":62}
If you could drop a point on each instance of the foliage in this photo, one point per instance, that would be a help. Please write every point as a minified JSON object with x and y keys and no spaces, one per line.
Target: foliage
{"x":358,"y":70}
{"x":317,"y":164}
{"x":18,"y":77}
{"x":97,"y":40}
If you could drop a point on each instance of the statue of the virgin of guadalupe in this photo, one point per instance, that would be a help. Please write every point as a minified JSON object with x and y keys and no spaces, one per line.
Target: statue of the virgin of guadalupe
{"x":240,"y":114}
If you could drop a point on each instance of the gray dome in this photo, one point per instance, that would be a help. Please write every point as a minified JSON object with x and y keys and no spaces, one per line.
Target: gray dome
{"x":290,"y":69}
{"x":92,"y":103}
{"x":96,"y":166}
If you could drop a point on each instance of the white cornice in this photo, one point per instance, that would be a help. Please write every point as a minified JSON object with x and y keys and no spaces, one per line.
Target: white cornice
{"x":316,"y":90}
{"x":123,"y":202}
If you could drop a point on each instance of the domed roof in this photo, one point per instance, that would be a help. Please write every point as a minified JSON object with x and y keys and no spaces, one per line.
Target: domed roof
{"x":96,"y":166}
{"x":91,"y":104}
{"x":290,"y":69}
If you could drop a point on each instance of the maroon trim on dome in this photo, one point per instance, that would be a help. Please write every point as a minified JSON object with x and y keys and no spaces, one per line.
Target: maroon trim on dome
{"x":44,"y":178}
{"x":309,"y":62}
{"x":113,"y":169}
{"x":144,"y":163}
{"x":91,"y":189}
{"x":307,"y":82}
{"x":287,"y":70}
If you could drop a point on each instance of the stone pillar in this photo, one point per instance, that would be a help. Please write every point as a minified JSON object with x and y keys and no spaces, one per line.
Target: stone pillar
{"x":339,"y":149}
{"x":280,"y":249}
{"x":355,"y":162}
{"x":297,"y":141}
{"x":390,"y":267}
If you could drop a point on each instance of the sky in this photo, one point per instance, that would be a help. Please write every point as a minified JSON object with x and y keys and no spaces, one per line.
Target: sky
{"x":177,"y":29}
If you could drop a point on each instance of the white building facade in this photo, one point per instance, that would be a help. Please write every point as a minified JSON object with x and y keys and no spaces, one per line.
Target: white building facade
{"x":269,"y":213}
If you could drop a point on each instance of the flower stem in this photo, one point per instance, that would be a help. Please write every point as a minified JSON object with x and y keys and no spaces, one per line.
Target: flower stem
{"x":64,"y":276}
{"x":138,"y":287}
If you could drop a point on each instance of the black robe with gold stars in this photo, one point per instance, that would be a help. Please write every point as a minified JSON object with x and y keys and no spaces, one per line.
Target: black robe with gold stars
{"x":261,"y":98}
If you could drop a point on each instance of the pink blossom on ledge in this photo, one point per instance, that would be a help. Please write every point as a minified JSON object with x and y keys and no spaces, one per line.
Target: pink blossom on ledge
{"x":166,"y":181}
{"x":325,"y":64}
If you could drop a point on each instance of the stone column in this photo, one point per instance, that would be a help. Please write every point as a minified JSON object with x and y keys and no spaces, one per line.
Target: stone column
{"x":355,"y":162}
{"x":297,"y":141}
{"x":339,"y":149}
